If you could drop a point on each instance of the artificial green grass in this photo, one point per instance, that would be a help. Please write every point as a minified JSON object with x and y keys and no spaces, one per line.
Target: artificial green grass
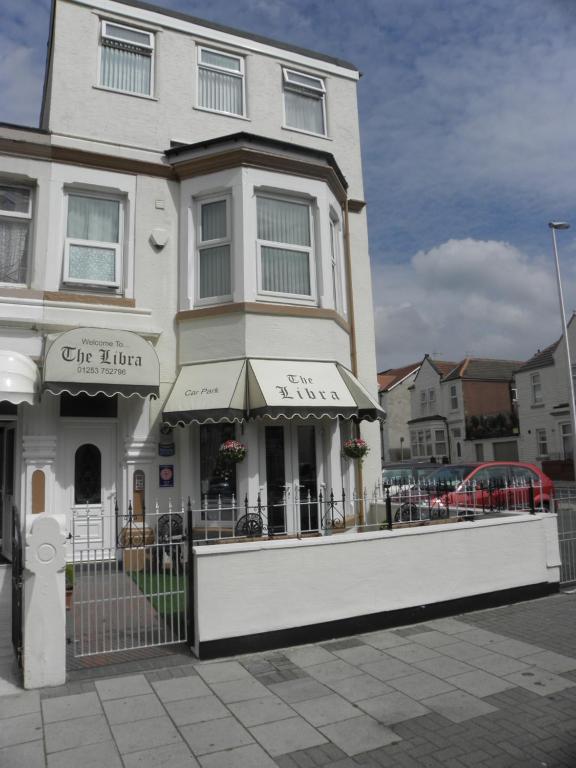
{"x":165,"y":591}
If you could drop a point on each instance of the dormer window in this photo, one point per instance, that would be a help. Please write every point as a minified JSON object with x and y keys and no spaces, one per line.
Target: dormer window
{"x":220,"y":82}
{"x":304,"y":102}
{"x":126,"y":59}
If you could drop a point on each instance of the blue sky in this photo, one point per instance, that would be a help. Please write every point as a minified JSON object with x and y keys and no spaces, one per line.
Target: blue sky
{"x":468,"y":115}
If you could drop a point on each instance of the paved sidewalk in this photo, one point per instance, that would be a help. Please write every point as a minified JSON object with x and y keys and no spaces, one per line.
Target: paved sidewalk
{"x":493,"y":689}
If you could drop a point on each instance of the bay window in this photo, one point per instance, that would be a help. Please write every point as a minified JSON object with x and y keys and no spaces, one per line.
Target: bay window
{"x":126,"y":59}
{"x":213,"y":241}
{"x":304,"y":102}
{"x":15,"y":222}
{"x":336,"y":264}
{"x":220,"y":82}
{"x":285,"y":247}
{"x":93,"y":247}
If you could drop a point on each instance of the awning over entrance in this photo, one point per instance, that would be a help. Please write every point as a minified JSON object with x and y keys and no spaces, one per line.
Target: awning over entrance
{"x":101,"y":361}
{"x":236,"y":390}
{"x":19,"y":378}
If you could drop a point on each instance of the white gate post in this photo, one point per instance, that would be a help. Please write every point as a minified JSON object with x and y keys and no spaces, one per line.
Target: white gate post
{"x":44,"y":621}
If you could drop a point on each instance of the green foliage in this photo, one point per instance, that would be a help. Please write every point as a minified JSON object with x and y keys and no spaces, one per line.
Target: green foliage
{"x":69,"y":575}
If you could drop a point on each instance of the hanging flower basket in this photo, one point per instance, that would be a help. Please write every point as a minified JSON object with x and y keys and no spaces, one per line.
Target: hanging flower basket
{"x":356,"y":448}
{"x":233,"y":452}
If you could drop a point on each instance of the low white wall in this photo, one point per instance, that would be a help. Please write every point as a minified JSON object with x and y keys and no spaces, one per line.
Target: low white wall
{"x":251,"y":588}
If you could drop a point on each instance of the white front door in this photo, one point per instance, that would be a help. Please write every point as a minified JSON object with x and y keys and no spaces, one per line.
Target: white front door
{"x":87,"y":465}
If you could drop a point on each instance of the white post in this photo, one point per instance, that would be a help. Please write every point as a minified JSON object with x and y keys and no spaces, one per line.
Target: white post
{"x":44,"y":623}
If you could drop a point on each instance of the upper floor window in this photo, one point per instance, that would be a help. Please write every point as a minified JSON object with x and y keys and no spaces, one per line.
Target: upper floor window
{"x":15,"y":221}
{"x":432,"y":399}
{"x":285,"y":247}
{"x":304,"y":102}
{"x":453,"y":397}
{"x":541,"y":442}
{"x":220,"y":82}
{"x":126,"y":59}
{"x":93,"y":248}
{"x":213,"y":240}
{"x":336,"y":264}
{"x":536,"y":388}
{"x":423,"y":401}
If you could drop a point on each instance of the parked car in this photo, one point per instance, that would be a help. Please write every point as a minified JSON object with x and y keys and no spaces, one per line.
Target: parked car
{"x":398,"y":476}
{"x":466,"y":490}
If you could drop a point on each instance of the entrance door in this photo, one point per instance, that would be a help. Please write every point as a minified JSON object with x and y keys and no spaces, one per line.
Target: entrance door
{"x":87,"y":460}
{"x":7,"y":436}
{"x":291,"y":471}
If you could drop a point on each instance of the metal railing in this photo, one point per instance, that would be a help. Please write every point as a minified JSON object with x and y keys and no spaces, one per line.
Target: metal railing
{"x":566,"y":511}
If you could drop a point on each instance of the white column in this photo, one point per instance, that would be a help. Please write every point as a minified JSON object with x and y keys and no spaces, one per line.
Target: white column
{"x":44,"y":611}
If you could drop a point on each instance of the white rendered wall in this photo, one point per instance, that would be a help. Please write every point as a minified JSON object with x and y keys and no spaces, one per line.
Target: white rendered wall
{"x":252,"y":588}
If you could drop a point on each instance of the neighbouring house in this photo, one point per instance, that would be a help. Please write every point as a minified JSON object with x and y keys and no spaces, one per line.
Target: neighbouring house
{"x":394,"y":396}
{"x":544,"y":411}
{"x":463,"y":411}
{"x":183,"y":260}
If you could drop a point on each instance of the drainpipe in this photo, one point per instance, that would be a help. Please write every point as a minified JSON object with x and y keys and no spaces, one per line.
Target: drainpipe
{"x":353,"y":355}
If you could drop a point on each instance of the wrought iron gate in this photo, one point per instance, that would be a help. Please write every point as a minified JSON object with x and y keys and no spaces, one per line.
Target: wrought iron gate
{"x":131,"y":580}
{"x":17,"y":581}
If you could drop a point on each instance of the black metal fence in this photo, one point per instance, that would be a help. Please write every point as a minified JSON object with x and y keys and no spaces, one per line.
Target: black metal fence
{"x":17,"y":586}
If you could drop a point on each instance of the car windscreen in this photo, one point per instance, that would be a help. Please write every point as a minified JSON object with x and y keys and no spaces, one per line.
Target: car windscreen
{"x":397,"y":476}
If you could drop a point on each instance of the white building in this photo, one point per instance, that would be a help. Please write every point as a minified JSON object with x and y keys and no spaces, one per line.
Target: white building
{"x":183,"y":242}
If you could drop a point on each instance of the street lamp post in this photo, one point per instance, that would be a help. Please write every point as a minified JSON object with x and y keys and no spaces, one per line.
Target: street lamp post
{"x":555,"y":225}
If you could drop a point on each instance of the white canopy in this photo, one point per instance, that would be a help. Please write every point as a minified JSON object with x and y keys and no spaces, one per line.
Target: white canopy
{"x":19,"y":378}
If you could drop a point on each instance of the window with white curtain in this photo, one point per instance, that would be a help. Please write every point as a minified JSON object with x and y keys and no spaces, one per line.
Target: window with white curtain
{"x":214,"y":274}
{"x":304,"y":102}
{"x":126,"y":59}
{"x":220,"y":82}
{"x":93,"y":248}
{"x":15,"y":223}
{"x":285,"y":247}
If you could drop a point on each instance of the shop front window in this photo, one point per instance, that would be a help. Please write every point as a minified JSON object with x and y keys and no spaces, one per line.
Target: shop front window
{"x":217,"y":477}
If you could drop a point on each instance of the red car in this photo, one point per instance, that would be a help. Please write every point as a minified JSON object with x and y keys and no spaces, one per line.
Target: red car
{"x":466,"y":490}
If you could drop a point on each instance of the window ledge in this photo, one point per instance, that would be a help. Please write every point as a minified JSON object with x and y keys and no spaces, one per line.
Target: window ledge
{"x":124,"y":93}
{"x":223,"y":114}
{"x":307,"y":133}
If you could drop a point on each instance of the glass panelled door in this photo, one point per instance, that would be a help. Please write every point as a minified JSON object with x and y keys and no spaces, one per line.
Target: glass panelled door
{"x":291,"y":471}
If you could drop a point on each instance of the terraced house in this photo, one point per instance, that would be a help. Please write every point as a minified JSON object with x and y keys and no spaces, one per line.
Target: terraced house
{"x":183,"y":260}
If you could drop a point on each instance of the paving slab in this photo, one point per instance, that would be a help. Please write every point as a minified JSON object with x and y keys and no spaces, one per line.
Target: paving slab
{"x":70,"y":707}
{"x":133,"y":708}
{"x":19,"y":704}
{"x":393,"y":708}
{"x":215,"y":735}
{"x":221,"y":671}
{"x":434,"y":639}
{"x":103,"y":755}
{"x":497,"y":664}
{"x":267,"y":709}
{"x":443,"y":666}
{"x":121,"y":687}
{"x":421,"y":685}
{"x":333,"y":670}
{"x":20,"y":729}
{"x":515,"y":648}
{"x":145,"y":734}
{"x":540,"y":681}
{"x":458,"y":706}
{"x":250,"y":756}
{"x":239,"y":690}
{"x":360,"y":687}
{"x":482,"y":637}
{"x":480,"y":683}
{"x":326,"y":710}
{"x":462,"y":651}
{"x":550,"y":661}
{"x":411,"y":652}
{"x":178,"y":689}
{"x":68,"y":734}
{"x":361,"y":654}
{"x":288,"y":735}
{"x":29,"y":755}
{"x":384,"y":639}
{"x":307,"y":655}
{"x":449,"y":626}
{"x":167,"y":756}
{"x":387,"y":668}
{"x":196,"y":710}
{"x":360,"y":734}
{"x":299,"y":690}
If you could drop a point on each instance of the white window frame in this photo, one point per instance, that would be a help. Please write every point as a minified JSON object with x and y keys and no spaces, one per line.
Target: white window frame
{"x":431,"y":399}
{"x":337,"y":270}
{"x":146,"y":49}
{"x":423,"y":402}
{"x":288,"y":298}
{"x":207,"y":244}
{"x":541,"y":441}
{"x":319,"y":91}
{"x":565,"y":429}
{"x":117,"y":247}
{"x":7,"y":215}
{"x":453,"y":397}
{"x":536,"y":388}
{"x":241,"y":73}
{"x":440,"y":443}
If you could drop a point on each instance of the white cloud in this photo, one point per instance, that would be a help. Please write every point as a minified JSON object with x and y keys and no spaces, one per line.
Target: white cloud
{"x":482,"y":298}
